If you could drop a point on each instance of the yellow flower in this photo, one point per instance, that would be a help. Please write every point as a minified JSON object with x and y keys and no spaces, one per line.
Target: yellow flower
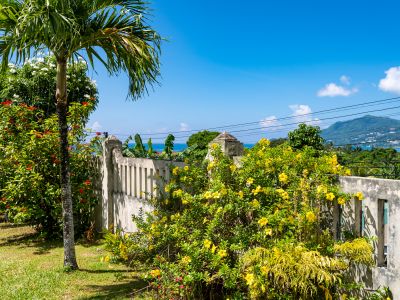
{"x":283,"y":194}
{"x":155,"y":272}
{"x":175,"y":171}
{"x":330,"y":196}
{"x":213,"y":248}
{"x":321,"y":189}
{"x":359,"y":196}
{"x":186,"y":260}
{"x":256,"y":190}
{"x":249,"y":278}
{"x":264,"y":270}
{"x":186,"y":168}
{"x":177,"y":193}
{"x":283,"y":178}
{"x":208,"y":195}
{"x":216,"y":195}
{"x":263,"y":221}
{"x":264,"y":142}
{"x":249,"y":181}
{"x":207,"y":244}
{"x":310,"y":216}
{"x":185,"y":201}
{"x":341,"y":200}
{"x":347,"y":172}
{"x":214,"y":146}
{"x":240,"y":193}
{"x":167,"y":189}
{"x":233,"y":168}
{"x":210,"y":166}
{"x":268,"y":231}
{"x":222,"y":253}
{"x":255,"y":203}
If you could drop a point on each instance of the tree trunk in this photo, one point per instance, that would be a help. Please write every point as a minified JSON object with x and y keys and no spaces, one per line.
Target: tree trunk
{"x":66,"y":195}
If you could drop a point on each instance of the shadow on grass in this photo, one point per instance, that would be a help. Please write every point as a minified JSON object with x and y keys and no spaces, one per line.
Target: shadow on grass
{"x":103,"y":271}
{"x":11,"y":225}
{"x":117,"y":291}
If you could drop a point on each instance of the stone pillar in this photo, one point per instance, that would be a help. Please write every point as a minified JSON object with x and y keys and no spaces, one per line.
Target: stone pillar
{"x":230,"y":145}
{"x":107,"y":173}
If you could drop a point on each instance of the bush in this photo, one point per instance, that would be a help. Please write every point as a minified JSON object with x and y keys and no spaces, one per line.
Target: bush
{"x":34,"y":84}
{"x":261,"y":230}
{"x":29,"y":174}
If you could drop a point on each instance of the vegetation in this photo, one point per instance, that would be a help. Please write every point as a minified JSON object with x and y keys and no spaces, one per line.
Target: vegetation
{"x":378,"y":162}
{"x":69,"y":29}
{"x":139,"y":150}
{"x":370,"y":131}
{"x":306,"y":135}
{"x":198,"y":144}
{"x":261,"y":230}
{"x":34,"y":84}
{"x":30,"y":269}
{"x":29,"y":174}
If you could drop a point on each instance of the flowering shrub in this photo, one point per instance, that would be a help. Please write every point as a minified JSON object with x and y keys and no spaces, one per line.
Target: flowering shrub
{"x":34,"y":84}
{"x":29,"y":173}
{"x":258,"y":230}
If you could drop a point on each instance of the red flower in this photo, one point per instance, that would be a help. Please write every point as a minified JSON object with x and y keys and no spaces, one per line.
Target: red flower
{"x":81,"y":191}
{"x":181,"y":286}
{"x":6,"y":103}
{"x":31,"y":108}
{"x":29,"y":168}
{"x":84,"y":103}
{"x":98,"y":133}
{"x":87,"y":182}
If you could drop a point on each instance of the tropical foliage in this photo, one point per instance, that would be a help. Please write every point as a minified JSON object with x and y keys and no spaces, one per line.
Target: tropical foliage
{"x":113,"y":32}
{"x":258,"y":230}
{"x":29,"y":174}
{"x":34,"y":84}
{"x":306,"y":135}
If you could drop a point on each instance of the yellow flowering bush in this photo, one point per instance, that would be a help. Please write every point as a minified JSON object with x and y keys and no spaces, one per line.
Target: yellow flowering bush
{"x":253,"y":231}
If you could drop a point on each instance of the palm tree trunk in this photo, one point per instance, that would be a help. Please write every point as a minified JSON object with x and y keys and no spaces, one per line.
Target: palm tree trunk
{"x":66,"y":195}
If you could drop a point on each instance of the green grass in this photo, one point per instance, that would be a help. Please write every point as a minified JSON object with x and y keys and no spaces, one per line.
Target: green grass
{"x":33,"y":269}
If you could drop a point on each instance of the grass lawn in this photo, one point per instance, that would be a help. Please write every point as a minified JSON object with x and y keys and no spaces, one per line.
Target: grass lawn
{"x":32,"y":269}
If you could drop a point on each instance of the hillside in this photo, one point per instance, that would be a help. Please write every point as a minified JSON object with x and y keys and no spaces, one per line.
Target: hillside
{"x":368,"y":131}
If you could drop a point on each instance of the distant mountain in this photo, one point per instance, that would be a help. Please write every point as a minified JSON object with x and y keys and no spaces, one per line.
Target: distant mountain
{"x":368,"y":131}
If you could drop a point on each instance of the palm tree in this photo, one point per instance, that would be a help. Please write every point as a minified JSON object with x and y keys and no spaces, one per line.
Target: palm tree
{"x":112,"y":32}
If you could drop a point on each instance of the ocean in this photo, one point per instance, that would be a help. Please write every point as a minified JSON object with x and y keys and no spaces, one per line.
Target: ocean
{"x":178,"y":147}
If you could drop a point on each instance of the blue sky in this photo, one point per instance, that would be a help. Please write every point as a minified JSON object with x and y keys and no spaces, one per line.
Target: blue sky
{"x":229,"y":62}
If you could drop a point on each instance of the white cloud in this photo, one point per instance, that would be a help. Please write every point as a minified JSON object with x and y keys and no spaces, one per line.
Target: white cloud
{"x":183,"y":127}
{"x":270,"y":123}
{"x":345,"y":79}
{"x":334,"y":90}
{"x":391,"y":83}
{"x":303,"y":114}
{"x":96,"y":126}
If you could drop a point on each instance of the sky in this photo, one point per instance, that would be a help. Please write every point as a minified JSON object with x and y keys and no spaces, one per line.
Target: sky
{"x":256,"y":61}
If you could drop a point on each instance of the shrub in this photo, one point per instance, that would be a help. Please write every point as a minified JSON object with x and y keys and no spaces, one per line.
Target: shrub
{"x":29,"y":173}
{"x":259,"y":230}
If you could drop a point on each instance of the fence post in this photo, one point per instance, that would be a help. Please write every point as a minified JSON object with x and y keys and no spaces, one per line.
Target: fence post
{"x":230,"y":145}
{"x":109,"y":145}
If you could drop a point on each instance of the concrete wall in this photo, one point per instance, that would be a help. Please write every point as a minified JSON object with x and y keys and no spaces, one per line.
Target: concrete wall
{"x":376,"y":191}
{"x":126,"y":185}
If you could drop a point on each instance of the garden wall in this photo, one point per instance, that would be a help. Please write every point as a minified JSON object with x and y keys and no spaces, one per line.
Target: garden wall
{"x":126,"y":185}
{"x":377,"y":217}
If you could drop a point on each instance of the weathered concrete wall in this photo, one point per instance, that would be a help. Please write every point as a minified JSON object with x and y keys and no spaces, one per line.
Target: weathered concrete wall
{"x":376,"y":191}
{"x":127,"y":184}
